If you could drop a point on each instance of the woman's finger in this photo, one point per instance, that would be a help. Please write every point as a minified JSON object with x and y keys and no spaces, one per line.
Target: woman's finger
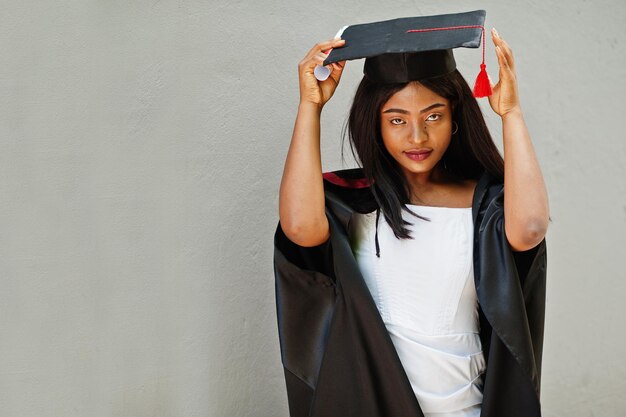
{"x":318,"y":59}
{"x":340,"y":64}
{"x":337,"y":70}
{"x":320,"y":56}
{"x":502,"y":60}
{"x":506,"y":49}
{"x":508,"y":53}
{"x":325,"y":46}
{"x":309,"y":64}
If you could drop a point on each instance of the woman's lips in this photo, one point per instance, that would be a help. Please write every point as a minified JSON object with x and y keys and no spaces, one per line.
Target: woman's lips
{"x":418,"y":155}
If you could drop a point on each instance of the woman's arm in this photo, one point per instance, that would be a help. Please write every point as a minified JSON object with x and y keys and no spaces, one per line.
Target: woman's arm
{"x":526,"y":209}
{"x":301,"y":199}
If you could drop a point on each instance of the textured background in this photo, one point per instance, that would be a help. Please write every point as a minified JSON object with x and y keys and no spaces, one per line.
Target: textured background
{"x":141,"y":149}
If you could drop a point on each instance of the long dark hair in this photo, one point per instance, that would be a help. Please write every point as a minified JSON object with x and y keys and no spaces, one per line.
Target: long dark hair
{"x":470,"y":153}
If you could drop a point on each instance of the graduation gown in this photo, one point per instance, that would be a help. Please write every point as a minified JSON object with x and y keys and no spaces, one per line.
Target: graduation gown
{"x":338,"y":358}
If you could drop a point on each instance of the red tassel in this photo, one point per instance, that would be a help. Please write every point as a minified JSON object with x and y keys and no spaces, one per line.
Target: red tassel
{"x":482,"y":86}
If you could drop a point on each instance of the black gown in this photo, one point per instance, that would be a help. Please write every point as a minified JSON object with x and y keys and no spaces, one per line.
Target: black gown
{"x":338,"y":358}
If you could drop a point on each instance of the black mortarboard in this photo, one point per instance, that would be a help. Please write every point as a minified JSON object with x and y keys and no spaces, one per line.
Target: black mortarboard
{"x":413,"y":48}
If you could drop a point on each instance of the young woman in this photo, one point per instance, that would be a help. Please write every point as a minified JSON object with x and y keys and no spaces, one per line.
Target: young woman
{"x":435,"y":230}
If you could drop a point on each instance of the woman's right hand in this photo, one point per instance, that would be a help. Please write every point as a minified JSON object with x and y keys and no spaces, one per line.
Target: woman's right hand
{"x":312,"y":90}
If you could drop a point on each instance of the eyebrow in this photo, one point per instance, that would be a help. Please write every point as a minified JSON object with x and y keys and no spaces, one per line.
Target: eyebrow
{"x":402,"y":111}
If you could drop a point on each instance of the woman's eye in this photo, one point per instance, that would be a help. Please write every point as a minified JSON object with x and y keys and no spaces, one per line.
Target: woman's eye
{"x":433,"y":117}
{"x":397,"y":121}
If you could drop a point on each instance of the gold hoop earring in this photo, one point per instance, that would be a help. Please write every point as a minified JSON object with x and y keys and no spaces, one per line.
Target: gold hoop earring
{"x":456,"y":127}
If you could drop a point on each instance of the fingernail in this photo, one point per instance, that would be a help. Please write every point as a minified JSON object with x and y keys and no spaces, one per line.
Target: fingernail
{"x":496,"y":32}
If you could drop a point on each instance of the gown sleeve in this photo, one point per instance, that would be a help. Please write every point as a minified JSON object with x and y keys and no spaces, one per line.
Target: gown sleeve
{"x":308,"y":284}
{"x":305,"y":298}
{"x":511,"y":290}
{"x":314,"y":258}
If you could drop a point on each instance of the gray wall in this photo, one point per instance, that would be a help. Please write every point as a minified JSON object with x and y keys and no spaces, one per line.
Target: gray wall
{"x":141,"y":149}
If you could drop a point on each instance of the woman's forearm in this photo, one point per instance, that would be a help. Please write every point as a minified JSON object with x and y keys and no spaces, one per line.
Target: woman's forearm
{"x":526,"y":207}
{"x":301,"y":199}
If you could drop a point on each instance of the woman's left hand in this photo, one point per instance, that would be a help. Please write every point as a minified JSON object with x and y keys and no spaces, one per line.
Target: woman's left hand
{"x":504,"y":98}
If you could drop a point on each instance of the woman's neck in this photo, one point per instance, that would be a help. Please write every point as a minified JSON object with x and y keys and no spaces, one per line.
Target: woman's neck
{"x":440,"y":188}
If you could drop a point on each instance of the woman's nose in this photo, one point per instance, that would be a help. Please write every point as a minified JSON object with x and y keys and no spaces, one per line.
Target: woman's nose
{"x":418,"y":133}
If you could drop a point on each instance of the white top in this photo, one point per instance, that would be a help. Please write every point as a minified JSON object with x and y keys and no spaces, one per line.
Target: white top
{"x":424,"y":290}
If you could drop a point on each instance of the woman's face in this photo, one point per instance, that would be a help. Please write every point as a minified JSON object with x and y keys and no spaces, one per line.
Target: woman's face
{"x":416,"y":127}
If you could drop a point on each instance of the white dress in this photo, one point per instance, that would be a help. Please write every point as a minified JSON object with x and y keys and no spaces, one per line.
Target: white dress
{"x":424,"y":290}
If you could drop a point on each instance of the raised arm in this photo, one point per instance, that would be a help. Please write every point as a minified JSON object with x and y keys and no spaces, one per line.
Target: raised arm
{"x":526,"y":209}
{"x":301,"y":199}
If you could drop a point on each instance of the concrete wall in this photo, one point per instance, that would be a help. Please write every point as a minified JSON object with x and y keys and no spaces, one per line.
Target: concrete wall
{"x":141,"y":149}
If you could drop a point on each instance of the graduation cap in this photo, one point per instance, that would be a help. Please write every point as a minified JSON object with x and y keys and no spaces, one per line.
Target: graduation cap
{"x":412,"y":48}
